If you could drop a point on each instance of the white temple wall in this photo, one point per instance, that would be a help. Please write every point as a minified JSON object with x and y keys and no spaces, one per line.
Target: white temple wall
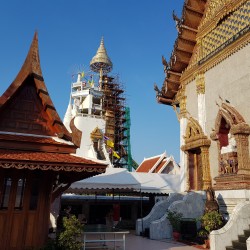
{"x":230,"y":79}
{"x":202,"y":112}
{"x":87,"y":125}
{"x":192,"y":99}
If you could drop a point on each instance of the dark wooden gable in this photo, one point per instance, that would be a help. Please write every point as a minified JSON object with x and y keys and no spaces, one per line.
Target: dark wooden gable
{"x":26,"y":107}
{"x":25,"y":113}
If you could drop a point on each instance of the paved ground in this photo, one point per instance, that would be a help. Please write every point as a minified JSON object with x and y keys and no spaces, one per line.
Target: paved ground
{"x":134,"y":242}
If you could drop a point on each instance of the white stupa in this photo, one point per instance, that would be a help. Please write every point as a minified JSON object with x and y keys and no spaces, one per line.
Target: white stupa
{"x":85,"y":108}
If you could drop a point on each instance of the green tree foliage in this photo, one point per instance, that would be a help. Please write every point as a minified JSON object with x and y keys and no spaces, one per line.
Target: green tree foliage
{"x":212,"y":220}
{"x":70,"y":237}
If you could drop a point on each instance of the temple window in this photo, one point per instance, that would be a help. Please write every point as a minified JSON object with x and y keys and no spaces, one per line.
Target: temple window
{"x":6,"y":193}
{"x":20,"y":193}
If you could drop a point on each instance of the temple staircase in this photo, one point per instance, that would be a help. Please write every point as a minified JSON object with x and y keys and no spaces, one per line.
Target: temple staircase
{"x":240,"y":244}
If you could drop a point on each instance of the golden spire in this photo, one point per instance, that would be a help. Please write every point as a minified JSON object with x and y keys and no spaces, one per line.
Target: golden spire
{"x":101,"y":62}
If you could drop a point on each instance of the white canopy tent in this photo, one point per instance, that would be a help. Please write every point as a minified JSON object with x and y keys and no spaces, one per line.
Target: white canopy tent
{"x":119,"y":179}
{"x":157,"y":183}
{"x":112,"y":179}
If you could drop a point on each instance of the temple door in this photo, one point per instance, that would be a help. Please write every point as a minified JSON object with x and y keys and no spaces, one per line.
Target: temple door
{"x":194,"y":163}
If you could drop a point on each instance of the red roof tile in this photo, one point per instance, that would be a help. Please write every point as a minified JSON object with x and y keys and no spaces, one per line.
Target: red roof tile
{"x":44,"y":157}
{"x":160,"y":165}
{"x":147,"y":165}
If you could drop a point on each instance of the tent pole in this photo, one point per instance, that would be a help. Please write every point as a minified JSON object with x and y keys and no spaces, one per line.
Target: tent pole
{"x":141,"y":214}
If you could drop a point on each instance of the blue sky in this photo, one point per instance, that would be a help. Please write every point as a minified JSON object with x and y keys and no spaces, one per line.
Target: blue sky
{"x":136,"y":34}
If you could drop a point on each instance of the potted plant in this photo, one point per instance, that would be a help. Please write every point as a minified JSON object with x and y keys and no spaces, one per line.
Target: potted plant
{"x":211,"y":220}
{"x":174,"y":218}
{"x":202,"y":236}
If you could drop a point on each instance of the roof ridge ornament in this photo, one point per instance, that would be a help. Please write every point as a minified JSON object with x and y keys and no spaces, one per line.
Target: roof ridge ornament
{"x":178,"y":22}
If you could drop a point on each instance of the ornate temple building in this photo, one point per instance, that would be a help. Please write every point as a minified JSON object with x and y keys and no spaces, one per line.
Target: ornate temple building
{"x":37,"y":158}
{"x":207,"y":83}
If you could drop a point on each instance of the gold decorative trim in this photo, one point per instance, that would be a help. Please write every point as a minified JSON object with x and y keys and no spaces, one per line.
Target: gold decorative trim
{"x":200,"y":83}
{"x":182,"y":100}
{"x":67,"y":168}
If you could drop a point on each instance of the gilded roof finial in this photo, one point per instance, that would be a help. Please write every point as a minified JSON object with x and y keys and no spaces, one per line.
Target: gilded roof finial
{"x":101,"y":62}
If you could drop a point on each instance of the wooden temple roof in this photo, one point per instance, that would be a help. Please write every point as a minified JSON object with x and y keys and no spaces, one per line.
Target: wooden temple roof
{"x":32,"y":135}
{"x":187,"y":27}
{"x":32,"y":69}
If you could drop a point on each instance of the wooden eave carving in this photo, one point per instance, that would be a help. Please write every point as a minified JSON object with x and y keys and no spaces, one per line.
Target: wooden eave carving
{"x":164,"y":100}
{"x":197,"y":4}
{"x":32,"y":69}
{"x":191,"y":16}
{"x":188,"y":35}
{"x":173,"y":83}
{"x":185,"y":45}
